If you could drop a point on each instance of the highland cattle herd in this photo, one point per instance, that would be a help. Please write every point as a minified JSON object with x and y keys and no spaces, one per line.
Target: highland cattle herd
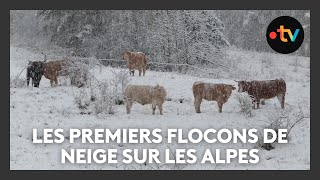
{"x":156,"y":95}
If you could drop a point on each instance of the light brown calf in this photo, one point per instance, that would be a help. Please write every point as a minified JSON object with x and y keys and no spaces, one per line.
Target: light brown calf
{"x":144,"y":94}
{"x":211,"y":92}
{"x":136,"y":60}
{"x":53,"y":69}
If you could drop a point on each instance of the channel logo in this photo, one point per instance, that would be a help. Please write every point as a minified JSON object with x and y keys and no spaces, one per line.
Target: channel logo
{"x":285,"y":34}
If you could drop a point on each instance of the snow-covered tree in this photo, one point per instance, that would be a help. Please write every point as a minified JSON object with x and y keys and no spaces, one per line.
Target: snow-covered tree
{"x":204,"y":36}
{"x":172,"y":36}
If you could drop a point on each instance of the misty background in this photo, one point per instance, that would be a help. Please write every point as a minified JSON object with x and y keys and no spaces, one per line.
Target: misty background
{"x":195,"y":37}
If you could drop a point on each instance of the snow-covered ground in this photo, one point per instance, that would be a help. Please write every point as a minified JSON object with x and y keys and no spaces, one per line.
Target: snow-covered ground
{"x":47,"y":107}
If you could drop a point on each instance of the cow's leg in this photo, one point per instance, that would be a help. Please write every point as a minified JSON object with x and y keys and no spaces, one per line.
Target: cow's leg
{"x":144,"y":70}
{"x":140,"y":70}
{"x":281,"y":98}
{"x":33,"y":84}
{"x":28,"y":80}
{"x":51,"y":82}
{"x":56,"y":80}
{"x":39,"y":80}
{"x":129,"y":106}
{"x":197,"y":103}
{"x":258,"y":103}
{"x":254,"y":103}
{"x":220,"y":106}
{"x":160,"y":108}
{"x":131,"y":72}
{"x":153,"y":109}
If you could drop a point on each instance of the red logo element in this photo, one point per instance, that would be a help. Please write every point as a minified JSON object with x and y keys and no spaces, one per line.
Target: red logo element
{"x":272,"y":35}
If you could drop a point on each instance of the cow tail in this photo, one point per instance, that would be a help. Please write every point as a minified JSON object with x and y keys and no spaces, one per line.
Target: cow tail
{"x":282,"y":87}
{"x":28,"y":76}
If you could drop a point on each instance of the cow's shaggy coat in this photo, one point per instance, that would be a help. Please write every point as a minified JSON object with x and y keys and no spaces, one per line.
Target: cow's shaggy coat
{"x":53,"y":69}
{"x":264,"y":90}
{"x":144,"y":94}
{"x":35,"y":70}
{"x":211,"y":92}
{"x":136,"y":60}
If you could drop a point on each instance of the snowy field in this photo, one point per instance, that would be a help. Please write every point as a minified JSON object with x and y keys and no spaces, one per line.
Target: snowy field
{"x":47,"y":107}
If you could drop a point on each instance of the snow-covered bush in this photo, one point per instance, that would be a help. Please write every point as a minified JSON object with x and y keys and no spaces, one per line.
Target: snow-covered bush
{"x":111,"y":93}
{"x":282,"y":119}
{"x":106,"y":99}
{"x":102,"y":95}
{"x":119,"y":81}
{"x":245,"y":103}
{"x":285,"y":119}
{"x":79,"y":72}
{"x":17,"y":82}
{"x":82,"y":99}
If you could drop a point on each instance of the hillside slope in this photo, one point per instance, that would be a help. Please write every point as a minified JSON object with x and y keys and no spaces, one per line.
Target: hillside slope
{"x":47,"y":107}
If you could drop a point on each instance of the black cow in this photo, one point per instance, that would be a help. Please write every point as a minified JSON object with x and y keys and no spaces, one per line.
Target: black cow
{"x":35,"y":70}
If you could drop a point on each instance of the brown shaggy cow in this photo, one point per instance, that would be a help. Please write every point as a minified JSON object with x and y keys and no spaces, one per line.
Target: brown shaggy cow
{"x":144,"y":94}
{"x":136,"y":60}
{"x":264,"y":90}
{"x":53,"y":69}
{"x":211,"y":92}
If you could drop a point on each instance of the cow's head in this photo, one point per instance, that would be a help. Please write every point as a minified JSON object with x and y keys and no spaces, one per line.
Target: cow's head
{"x":159,"y":91}
{"x":156,"y":87}
{"x":126,"y":55}
{"x":243,"y":86}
